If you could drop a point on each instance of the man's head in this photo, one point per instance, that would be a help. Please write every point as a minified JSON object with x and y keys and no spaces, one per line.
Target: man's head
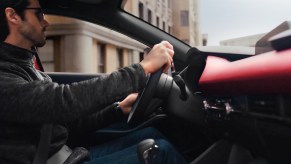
{"x":22,"y":23}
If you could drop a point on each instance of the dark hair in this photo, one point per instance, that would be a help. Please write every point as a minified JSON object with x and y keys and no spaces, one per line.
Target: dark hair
{"x":18,"y":6}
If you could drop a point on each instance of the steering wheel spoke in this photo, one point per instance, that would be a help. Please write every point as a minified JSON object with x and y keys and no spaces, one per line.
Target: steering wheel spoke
{"x":138,"y":112}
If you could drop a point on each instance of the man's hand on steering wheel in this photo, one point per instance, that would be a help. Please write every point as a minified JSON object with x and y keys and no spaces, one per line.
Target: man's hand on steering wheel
{"x":158,"y":60}
{"x":161,"y":55}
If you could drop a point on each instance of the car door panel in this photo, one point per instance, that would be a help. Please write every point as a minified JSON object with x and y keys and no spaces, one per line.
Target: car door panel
{"x":68,"y":78}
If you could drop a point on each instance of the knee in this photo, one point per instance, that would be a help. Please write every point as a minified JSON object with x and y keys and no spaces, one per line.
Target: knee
{"x":153,"y":132}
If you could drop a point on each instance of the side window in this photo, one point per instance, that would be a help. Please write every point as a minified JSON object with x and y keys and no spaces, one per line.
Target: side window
{"x":49,"y":55}
{"x":69,"y":48}
{"x":176,"y":17}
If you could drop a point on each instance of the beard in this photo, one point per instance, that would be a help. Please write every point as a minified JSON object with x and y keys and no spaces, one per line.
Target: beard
{"x":40,"y":43}
{"x":37,"y":41}
{"x":36,"y":37}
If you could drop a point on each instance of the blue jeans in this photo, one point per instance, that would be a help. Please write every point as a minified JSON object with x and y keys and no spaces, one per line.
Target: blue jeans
{"x":124,"y":149}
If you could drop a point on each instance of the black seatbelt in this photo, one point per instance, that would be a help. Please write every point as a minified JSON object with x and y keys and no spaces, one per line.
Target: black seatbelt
{"x":41,"y":155}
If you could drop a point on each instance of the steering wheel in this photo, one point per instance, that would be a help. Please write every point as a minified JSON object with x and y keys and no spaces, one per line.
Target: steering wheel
{"x":138,"y":111}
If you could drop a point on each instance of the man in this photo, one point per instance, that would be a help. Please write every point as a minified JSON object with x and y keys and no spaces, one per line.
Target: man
{"x":29,"y":100}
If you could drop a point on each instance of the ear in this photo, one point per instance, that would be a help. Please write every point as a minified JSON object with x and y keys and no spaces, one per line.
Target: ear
{"x":11,"y":15}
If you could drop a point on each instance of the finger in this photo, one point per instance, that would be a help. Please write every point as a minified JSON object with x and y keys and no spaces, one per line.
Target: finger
{"x":168,"y":59}
{"x":165,"y":69}
{"x":167,"y":65}
{"x":167,"y":44}
{"x":134,"y":95}
{"x":171,"y":52}
{"x":171,"y":59}
{"x":132,"y":98}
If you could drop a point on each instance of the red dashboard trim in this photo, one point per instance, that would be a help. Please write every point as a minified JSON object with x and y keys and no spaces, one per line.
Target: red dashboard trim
{"x":265,"y":73}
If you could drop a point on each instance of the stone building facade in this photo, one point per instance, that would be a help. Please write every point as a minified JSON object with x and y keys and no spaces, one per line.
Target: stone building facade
{"x":78,"y":46}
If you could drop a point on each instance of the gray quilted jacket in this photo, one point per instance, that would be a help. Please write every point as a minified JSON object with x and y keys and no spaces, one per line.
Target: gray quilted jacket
{"x":28,"y":99}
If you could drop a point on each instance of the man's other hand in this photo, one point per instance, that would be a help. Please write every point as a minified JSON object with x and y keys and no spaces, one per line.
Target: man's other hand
{"x":127,"y":103}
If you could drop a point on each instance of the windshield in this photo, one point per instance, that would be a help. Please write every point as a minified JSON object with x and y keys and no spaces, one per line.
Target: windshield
{"x":213,"y":23}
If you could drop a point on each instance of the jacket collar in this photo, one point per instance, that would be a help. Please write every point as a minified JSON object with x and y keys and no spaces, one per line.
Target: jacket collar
{"x":16,"y":54}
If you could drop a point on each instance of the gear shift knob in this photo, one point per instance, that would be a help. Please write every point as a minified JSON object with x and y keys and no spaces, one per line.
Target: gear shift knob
{"x":147,"y":150}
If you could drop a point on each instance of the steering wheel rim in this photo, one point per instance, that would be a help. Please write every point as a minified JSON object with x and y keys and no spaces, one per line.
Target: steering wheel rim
{"x":138,"y":111}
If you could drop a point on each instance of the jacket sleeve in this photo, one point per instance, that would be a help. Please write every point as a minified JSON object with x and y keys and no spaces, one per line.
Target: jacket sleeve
{"x":47,"y":102}
{"x":95,"y":121}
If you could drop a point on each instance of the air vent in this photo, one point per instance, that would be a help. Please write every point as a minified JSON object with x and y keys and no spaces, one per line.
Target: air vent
{"x":287,"y":106}
{"x":264,"y":105}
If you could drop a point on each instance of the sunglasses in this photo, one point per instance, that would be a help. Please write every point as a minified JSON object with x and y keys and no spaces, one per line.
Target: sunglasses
{"x":39,"y":12}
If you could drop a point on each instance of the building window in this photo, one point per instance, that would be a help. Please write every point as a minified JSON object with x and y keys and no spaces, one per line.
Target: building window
{"x":140,"y":10}
{"x":149,"y":16}
{"x":101,"y":57}
{"x":204,"y":42}
{"x":169,"y":4}
{"x":119,"y":58}
{"x":169,"y":30}
{"x":184,"y":18}
{"x":158,"y":22}
{"x":164,"y":26}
